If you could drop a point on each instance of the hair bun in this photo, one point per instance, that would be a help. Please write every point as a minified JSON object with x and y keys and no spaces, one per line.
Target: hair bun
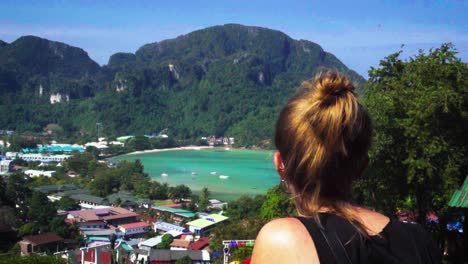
{"x":332,"y":84}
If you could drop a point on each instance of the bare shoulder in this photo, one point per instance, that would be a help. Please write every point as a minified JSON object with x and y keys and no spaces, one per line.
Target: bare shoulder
{"x":284,"y":240}
{"x":375,"y":222}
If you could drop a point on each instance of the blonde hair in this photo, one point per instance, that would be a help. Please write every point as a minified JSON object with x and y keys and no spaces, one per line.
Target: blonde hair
{"x":323,"y":135}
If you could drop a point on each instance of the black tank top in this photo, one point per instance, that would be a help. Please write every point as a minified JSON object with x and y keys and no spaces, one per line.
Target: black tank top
{"x":397,"y":243}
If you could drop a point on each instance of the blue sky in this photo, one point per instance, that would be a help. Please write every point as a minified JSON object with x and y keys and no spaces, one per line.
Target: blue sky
{"x":359,"y":33}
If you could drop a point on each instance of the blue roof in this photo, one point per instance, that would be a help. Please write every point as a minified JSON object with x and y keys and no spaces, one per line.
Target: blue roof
{"x":164,"y":226}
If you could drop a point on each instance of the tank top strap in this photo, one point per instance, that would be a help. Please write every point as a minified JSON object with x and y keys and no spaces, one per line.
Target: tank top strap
{"x":329,"y":248}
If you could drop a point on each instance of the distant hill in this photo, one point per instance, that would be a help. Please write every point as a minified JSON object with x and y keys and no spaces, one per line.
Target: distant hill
{"x":223,"y":80}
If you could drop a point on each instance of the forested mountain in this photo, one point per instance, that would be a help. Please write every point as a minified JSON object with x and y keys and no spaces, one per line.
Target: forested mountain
{"x":223,"y":80}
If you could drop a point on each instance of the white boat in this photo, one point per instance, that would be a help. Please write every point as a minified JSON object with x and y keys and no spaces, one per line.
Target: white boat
{"x":213,"y":173}
{"x":194,"y":173}
{"x":227,"y":149}
{"x":164,"y":175}
{"x":223,"y":177}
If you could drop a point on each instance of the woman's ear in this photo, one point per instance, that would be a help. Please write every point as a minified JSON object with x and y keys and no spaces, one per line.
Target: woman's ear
{"x":279,"y":165}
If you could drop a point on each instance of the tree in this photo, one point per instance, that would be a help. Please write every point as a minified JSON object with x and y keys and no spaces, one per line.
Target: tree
{"x":140,"y":143}
{"x":80,"y":163}
{"x":184,"y":260}
{"x":67,"y":203}
{"x":179,"y":192}
{"x":244,"y":207}
{"x":40,"y":209}
{"x":419,"y":109}
{"x":166,"y":241}
{"x":32,"y":260}
{"x":203,"y":201}
{"x":277,"y":204}
{"x":17,"y":192}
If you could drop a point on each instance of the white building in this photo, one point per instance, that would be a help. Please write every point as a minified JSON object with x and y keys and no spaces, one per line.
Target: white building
{"x":43,"y":158}
{"x":37,"y":173}
{"x":206,"y":223}
{"x":5,"y":166}
{"x":11,"y":155}
{"x":136,"y":228}
{"x":98,"y":145}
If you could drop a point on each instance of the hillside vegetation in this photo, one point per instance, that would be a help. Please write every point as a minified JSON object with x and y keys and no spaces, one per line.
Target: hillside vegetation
{"x":223,"y":80}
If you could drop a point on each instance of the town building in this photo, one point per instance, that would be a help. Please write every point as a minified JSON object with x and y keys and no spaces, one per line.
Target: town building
{"x":6,"y":166}
{"x":206,"y":223}
{"x":163,"y":227}
{"x":55,"y":148}
{"x":38,"y":173}
{"x":39,"y":157}
{"x":134,"y":229}
{"x":11,"y":155}
{"x":113,"y":216}
{"x":127,"y":200}
{"x":216,"y":204}
{"x":88,"y":201}
{"x":180,"y":244}
{"x":176,"y":214}
{"x":47,"y":242}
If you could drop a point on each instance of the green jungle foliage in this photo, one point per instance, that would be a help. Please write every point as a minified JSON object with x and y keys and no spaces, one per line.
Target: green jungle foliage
{"x":32,"y":260}
{"x":419,"y":154}
{"x":224,"y":80}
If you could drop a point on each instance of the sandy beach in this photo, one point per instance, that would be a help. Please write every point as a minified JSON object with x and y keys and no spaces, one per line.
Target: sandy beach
{"x":170,"y":149}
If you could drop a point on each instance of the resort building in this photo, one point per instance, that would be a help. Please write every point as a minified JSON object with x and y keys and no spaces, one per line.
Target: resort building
{"x":5,"y":166}
{"x":180,"y":244}
{"x":127,"y":200}
{"x":55,"y":148}
{"x":11,"y":155}
{"x":134,"y":229}
{"x":42,"y":158}
{"x":216,"y":204}
{"x":176,"y":214}
{"x":164,"y":227}
{"x":113,"y":216}
{"x":88,"y":201}
{"x":47,"y":242}
{"x":38,"y":173}
{"x":206,"y":223}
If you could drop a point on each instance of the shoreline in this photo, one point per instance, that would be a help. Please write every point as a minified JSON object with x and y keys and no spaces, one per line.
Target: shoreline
{"x":169,"y":149}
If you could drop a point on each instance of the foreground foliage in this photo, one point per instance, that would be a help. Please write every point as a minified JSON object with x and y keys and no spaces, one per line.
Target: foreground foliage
{"x":419,"y":155}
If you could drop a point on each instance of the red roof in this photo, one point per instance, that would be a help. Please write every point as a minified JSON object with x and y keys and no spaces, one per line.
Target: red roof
{"x":43,"y":239}
{"x":134,"y":225}
{"x":199,"y":244}
{"x":119,"y":216}
{"x":90,"y":256}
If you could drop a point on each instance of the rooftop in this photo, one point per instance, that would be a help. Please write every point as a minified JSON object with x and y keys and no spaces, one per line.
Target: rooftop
{"x":134,"y":225}
{"x":164,"y":226}
{"x":199,"y":244}
{"x":180,"y":243}
{"x":89,"y":198}
{"x":208,"y":221}
{"x":43,"y":239}
{"x":176,"y":211}
{"x":151,"y":242}
{"x":460,"y":197}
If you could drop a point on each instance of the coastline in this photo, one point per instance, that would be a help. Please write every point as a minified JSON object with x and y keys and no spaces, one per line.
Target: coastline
{"x":169,"y":149}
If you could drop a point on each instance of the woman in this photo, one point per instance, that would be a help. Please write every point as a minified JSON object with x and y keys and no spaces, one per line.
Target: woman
{"x":323,"y":136}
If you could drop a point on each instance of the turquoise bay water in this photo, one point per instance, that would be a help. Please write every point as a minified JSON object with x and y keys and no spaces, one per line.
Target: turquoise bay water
{"x":250,"y":172}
